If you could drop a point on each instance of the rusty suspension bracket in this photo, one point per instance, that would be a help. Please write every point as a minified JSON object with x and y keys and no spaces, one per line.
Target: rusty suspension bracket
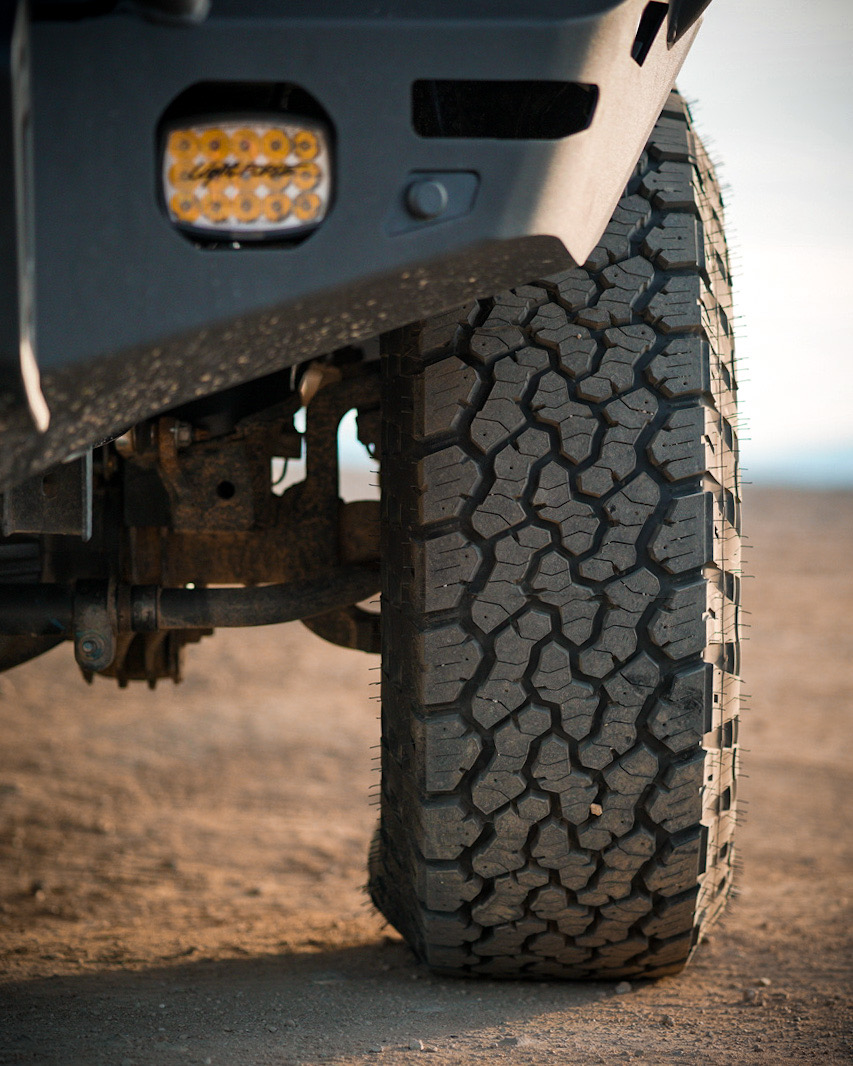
{"x":95,"y":613}
{"x":222,"y":523}
{"x":348,"y":625}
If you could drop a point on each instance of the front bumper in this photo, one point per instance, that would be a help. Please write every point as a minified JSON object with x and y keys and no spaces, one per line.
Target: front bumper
{"x":131,"y":318}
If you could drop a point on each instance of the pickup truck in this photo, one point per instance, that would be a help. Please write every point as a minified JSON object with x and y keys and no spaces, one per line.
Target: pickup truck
{"x":492,"y":232}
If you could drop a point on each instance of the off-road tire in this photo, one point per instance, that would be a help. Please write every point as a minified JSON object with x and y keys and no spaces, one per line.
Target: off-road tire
{"x":559,"y":614}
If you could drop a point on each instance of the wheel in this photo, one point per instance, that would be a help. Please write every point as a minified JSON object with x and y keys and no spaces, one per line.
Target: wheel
{"x":561,"y":577}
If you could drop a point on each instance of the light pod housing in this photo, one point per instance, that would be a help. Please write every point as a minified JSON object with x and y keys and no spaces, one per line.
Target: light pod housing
{"x":247,"y":178}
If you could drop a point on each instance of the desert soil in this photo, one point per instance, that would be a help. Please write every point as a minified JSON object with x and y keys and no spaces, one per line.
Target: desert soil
{"x":181,"y":871}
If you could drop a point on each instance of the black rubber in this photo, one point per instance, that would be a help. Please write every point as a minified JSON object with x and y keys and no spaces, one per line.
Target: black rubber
{"x":559,"y":614}
{"x":21,"y":564}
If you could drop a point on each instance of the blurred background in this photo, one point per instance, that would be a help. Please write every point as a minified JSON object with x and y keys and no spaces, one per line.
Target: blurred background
{"x":771,"y":89}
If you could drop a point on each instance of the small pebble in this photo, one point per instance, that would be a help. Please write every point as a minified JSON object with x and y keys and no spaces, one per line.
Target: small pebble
{"x":765,"y":982}
{"x":750,"y":995}
{"x":596,"y":810}
{"x":417,"y":1045}
{"x":667,"y":1020}
{"x":375,"y":1050}
{"x":622,"y":988}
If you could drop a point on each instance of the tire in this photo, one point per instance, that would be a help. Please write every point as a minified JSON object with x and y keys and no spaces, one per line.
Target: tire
{"x":560,"y":619}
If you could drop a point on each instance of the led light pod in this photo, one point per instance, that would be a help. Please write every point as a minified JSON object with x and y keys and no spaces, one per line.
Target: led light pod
{"x":247,"y":178}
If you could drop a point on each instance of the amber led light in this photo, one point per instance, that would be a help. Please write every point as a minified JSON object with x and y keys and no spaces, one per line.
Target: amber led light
{"x":247,"y":179}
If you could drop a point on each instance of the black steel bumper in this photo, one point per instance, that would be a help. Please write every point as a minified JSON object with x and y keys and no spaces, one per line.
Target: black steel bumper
{"x":131,"y":318}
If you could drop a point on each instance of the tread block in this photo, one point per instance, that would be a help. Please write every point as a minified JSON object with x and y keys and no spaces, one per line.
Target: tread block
{"x":553,"y":674}
{"x":445,"y":828}
{"x":552,"y":582}
{"x":505,"y":903}
{"x":444,"y":392}
{"x":677,"y":448}
{"x":615,"y":374}
{"x":670,"y":186}
{"x":438,"y":333}
{"x":442,"y":889}
{"x":576,"y":798}
{"x":507,"y":940}
{"x":503,"y":852}
{"x":681,"y":369}
{"x":501,"y":414}
{"x":449,"y":657}
{"x":627,"y":417}
{"x":578,"y":709}
{"x":668,"y":957}
{"x":676,"y":244}
{"x":447,"y":481}
{"x":676,"y":804}
{"x":677,"y":308}
{"x":672,"y":141}
{"x":499,"y":512}
{"x":448,"y":930}
{"x":678,"y":628}
{"x":575,"y":288}
{"x":631,"y":774}
{"x":553,"y":502}
{"x":496,"y":603}
{"x":497,"y":786}
{"x":671,"y":917}
{"x":574,"y":921}
{"x":624,"y":284}
{"x":676,"y":866}
{"x":631,"y":215}
{"x":685,"y":540}
{"x":551,"y":848}
{"x":514,"y":307}
{"x":576,"y":423}
{"x":497,"y":698}
{"x":489,"y":343}
{"x":576,"y":347}
{"x":448,"y":564}
{"x":449,"y":749}
{"x":553,"y":766}
{"x":630,"y":853}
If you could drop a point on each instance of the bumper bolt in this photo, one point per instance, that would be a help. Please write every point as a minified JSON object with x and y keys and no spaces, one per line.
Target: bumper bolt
{"x":426,"y":199}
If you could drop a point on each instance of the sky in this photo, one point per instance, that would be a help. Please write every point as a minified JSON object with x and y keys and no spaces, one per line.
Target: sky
{"x":770,"y":84}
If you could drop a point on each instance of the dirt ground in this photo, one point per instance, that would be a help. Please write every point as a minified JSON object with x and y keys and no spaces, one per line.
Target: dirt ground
{"x":181,"y":871}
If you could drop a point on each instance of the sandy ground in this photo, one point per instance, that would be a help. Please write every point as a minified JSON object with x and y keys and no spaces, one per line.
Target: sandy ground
{"x":181,"y":871}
